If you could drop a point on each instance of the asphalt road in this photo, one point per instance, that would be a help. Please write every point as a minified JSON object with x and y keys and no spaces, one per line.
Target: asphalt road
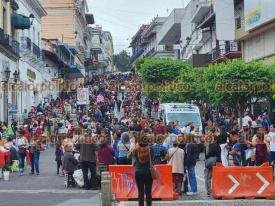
{"x":47,"y":189}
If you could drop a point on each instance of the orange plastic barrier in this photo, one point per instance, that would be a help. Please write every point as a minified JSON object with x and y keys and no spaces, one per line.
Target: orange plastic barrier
{"x":243,"y":182}
{"x":124,"y":185}
{"x":2,"y":159}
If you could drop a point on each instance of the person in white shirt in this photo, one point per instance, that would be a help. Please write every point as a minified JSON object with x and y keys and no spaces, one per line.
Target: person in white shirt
{"x":175,"y":157}
{"x":246,"y":120}
{"x":271,"y":141}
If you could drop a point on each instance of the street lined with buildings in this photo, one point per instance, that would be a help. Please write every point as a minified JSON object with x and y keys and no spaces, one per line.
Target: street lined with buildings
{"x":183,"y":115}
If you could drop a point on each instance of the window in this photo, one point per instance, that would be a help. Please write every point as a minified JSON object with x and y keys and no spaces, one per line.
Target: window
{"x":5,"y":20}
{"x":33,"y":34}
{"x":238,"y":22}
{"x":38,"y":39}
{"x":169,"y":48}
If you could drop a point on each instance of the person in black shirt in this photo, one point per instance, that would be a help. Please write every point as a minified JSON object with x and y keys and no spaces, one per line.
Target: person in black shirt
{"x":212,"y":156}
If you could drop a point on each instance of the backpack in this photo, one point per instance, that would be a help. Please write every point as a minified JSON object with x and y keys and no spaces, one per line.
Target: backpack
{"x":143,"y":154}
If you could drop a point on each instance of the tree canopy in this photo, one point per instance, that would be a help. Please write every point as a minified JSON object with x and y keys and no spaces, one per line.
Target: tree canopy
{"x":122,"y":61}
{"x":234,"y":83}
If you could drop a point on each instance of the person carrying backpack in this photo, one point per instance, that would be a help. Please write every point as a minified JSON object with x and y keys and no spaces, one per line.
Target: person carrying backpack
{"x":142,"y":158}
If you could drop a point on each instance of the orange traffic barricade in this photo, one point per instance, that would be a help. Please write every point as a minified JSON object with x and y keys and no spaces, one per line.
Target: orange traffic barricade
{"x":124,"y":185}
{"x":243,"y":182}
{"x":2,"y":159}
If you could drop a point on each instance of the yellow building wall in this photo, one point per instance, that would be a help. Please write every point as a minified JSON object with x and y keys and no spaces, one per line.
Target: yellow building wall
{"x":60,"y":21}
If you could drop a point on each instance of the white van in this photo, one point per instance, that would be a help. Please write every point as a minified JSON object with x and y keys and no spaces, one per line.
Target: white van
{"x":184,"y":113}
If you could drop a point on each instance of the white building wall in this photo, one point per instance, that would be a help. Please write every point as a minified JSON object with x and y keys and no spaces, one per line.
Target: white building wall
{"x":260,"y":46}
{"x":5,"y":61}
{"x":32,"y":63}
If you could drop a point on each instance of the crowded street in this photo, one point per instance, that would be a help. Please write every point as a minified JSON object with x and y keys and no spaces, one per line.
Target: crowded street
{"x":126,"y":103}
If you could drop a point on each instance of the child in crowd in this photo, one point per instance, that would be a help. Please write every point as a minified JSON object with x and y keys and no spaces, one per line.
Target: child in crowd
{"x":69,"y":165}
{"x":58,"y":157}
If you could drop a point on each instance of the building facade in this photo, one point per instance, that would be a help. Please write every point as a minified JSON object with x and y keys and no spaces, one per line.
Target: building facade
{"x":67,"y":21}
{"x":100,"y":51}
{"x":9,"y":59}
{"x":150,"y":41}
{"x":32,"y":68}
{"x":255,"y":29}
{"x":200,"y":43}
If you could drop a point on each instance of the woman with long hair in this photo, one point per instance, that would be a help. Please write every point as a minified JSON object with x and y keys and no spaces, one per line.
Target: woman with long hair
{"x":143,"y":155}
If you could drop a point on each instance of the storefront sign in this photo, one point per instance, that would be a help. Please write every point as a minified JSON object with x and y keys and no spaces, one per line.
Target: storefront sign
{"x":258,"y":12}
{"x":31,"y":74}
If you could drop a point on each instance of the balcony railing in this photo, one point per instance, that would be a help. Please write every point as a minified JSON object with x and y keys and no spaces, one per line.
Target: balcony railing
{"x":229,"y":50}
{"x":7,"y":41}
{"x":218,"y":53}
{"x":36,"y":50}
{"x":232,"y":46}
{"x":26,"y":43}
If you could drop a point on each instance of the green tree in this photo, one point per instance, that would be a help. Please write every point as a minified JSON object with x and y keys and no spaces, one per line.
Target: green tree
{"x":122,"y":61}
{"x":238,"y":84}
{"x":161,"y":77}
{"x":157,"y":70}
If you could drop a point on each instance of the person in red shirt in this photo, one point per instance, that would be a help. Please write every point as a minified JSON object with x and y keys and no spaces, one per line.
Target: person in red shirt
{"x":159,"y":128}
{"x":26,"y":133}
{"x":106,"y":154}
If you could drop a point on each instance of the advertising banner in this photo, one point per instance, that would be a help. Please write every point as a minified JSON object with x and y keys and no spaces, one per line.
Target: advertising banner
{"x":82,"y":96}
{"x":258,"y":12}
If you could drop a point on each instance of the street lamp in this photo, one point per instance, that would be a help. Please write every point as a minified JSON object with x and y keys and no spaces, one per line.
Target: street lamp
{"x":7,"y":73}
{"x":31,"y":17}
{"x":16,"y":76}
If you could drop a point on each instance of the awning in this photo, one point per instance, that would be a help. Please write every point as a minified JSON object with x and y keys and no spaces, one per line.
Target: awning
{"x":90,"y":18}
{"x":65,"y":48}
{"x":74,"y":71}
{"x":19,"y":21}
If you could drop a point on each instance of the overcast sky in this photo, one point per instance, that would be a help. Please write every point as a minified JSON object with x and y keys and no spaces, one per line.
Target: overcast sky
{"x":123,"y":17}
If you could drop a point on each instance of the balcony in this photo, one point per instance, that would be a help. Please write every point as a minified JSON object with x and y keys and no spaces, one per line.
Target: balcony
{"x":161,"y":54}
{"x":136,"y":54}
{"x":74,"y":71}
{"x":36,"y":50}
{"x":207,"y":20}
{"x":7,"y":42}
{"x":202,"y":9}
{"x":229,"y":50}
{"x":26,"y":43}
{"x":233,"y":50}
{"x":170,"y":32}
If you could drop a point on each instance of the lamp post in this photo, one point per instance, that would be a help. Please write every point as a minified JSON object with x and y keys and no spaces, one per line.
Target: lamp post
{"x":16,"y":78}
{"x":7,"y":73}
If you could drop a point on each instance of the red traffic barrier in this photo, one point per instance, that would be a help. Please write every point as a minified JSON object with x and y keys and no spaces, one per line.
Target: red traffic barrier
{"x":124,"y":185}
{"x":243,"y":182}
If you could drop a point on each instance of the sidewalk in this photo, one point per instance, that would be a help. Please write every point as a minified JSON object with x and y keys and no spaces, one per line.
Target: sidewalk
{"x":208,"y":202}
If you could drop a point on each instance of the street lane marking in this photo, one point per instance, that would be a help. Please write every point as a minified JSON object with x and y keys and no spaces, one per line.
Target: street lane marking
{"x":266,"y":183}
{"x":234,"y":187}
{"x":59,"y":191}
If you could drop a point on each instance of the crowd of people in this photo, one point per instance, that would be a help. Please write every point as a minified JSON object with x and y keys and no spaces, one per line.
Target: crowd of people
{"x":121,"y":126}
